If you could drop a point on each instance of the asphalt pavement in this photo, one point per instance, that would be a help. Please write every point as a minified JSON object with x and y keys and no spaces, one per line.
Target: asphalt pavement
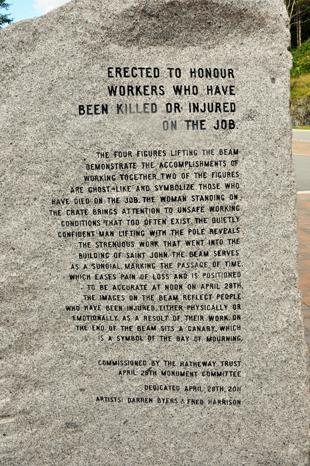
{"x":301,"y":158}
{"x":302,"y":170}
{"x":301,"y":134}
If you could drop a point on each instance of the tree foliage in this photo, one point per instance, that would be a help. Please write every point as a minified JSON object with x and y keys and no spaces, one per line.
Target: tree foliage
{"x":295,"y":9}
{"x":298,"y":13}
{"x":4,"y":19}
{"x":301,"y":59}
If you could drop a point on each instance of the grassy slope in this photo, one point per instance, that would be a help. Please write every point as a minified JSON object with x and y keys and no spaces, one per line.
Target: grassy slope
{"x":300,"y":86}
{"x":300,"y":74}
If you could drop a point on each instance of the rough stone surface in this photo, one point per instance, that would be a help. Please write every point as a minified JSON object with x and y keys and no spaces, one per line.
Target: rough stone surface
{"x":60,"y":406}
{"x":300,"y":112}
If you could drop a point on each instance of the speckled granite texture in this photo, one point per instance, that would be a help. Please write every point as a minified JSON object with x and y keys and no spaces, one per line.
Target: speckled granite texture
{"x":150,"y":308}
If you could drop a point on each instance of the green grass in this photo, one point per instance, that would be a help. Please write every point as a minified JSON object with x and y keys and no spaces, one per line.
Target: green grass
{"x":301,"y":127}
{"x":300,"y":73}
{"x":300,"y":86}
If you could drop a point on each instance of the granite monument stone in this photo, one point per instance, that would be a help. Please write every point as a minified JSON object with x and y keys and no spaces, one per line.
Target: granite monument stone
{"x":150,"y":300}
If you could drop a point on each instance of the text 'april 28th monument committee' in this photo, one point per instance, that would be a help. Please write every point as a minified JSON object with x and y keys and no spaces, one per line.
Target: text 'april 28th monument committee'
{"x":151,"y":309}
